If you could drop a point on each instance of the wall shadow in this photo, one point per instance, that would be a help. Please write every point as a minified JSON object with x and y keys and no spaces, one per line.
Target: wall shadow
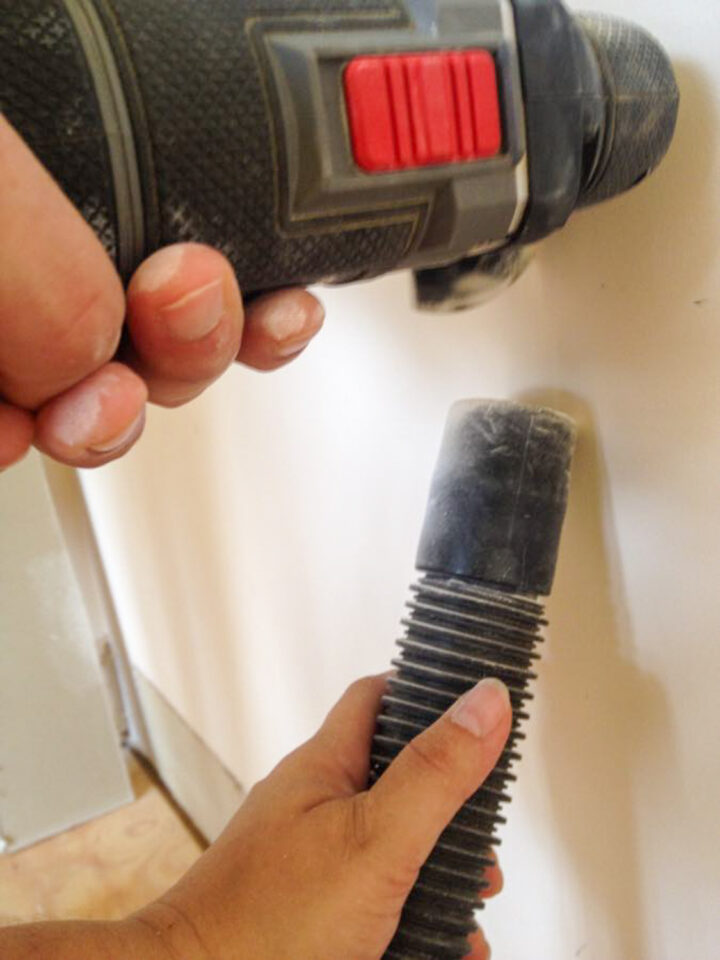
{"x":601,"y":712}
{"x":653,"y":248}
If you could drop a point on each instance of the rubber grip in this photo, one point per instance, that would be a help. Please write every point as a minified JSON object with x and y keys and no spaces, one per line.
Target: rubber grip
{"x":196,"y":93}
{"x":47,"y":93}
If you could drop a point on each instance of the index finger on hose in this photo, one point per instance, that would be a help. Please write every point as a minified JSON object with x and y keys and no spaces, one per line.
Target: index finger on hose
{"x":493,"y":878}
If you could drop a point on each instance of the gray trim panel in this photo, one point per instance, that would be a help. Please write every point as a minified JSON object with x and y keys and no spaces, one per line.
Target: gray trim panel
{"x":118,"y":131}
{"x":456,"y":208}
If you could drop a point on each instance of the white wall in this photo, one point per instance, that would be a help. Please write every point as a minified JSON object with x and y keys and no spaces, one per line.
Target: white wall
{"x":260,"y":542}
{"x":60,"y":756}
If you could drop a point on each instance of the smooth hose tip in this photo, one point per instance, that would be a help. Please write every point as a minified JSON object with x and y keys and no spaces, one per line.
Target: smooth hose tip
{"x":499,"y":495}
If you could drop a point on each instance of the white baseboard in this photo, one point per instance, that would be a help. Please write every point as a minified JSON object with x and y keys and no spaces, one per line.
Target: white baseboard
{"x":205,"y":790}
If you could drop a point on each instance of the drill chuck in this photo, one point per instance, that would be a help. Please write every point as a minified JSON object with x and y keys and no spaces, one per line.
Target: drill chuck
{"x":640,"y":100}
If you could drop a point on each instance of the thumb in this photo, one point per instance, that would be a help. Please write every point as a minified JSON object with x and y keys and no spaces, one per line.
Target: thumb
{"x":61,"y":300}
{"x":433,"y":776}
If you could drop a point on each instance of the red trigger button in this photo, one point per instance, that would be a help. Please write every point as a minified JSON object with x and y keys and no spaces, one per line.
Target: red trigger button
{"x":423,"y":109}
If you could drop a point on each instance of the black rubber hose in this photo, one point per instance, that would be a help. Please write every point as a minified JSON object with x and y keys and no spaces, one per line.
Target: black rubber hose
{"x":487,"y":552}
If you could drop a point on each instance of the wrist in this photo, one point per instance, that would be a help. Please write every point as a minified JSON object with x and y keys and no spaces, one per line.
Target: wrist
{"x":70,"y":939}
{"x":163,"y":931}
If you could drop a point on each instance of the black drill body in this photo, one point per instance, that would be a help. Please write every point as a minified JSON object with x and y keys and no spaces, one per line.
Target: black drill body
{"x":333,"y":140}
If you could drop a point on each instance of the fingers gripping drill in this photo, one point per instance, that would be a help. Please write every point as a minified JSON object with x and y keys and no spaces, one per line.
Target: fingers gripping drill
{"x":332,"y":140}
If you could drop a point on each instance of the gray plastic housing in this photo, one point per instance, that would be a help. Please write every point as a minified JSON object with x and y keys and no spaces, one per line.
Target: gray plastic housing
{"x":456,"y":208}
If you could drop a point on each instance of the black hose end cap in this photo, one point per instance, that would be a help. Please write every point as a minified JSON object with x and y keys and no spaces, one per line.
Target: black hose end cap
{"x":499,"y":495}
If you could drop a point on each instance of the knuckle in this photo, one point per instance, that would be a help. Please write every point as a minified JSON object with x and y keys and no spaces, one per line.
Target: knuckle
{"x":359,"y":832}
{"x":390,"y":874}
{"x":362,"y":686}
{"x":95,"y":322}
{"x":77,"y":336}
{"x":189,"y":362}
{"x":392,"y":877}
{"x":430,"y":757}
{"x":479,"y":947}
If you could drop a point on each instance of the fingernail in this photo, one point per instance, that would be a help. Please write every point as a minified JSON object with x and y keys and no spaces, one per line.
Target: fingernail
{"x":286,"y":321}
{"x":196,"y":314}
{"x":317,"y":315}
{"x":120,"y":440}
{"x":293,"y":346}
{"x":288,"y":350}
{"x":160,"y":268}
{"x":483,"y":708}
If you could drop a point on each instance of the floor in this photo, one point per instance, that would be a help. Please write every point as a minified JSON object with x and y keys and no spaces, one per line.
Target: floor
{"x":104,"y":869}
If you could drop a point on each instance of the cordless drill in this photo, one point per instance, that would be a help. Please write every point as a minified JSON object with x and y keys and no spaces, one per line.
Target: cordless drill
{"x":334,"y":140}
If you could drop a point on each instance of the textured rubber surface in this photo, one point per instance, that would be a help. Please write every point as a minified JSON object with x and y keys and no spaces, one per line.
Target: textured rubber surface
{"x":198,"y":98}
{"x":457,"y":633}
{"x":211,"y":137}
{"x":643,"y":103}
{"x":46,"y":93}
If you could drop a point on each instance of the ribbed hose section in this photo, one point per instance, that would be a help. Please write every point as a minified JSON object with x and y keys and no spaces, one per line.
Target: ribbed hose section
{"x":457,"y":633}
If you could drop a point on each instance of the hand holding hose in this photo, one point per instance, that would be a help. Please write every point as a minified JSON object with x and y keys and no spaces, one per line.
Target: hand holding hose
{"x":313,"y":866}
